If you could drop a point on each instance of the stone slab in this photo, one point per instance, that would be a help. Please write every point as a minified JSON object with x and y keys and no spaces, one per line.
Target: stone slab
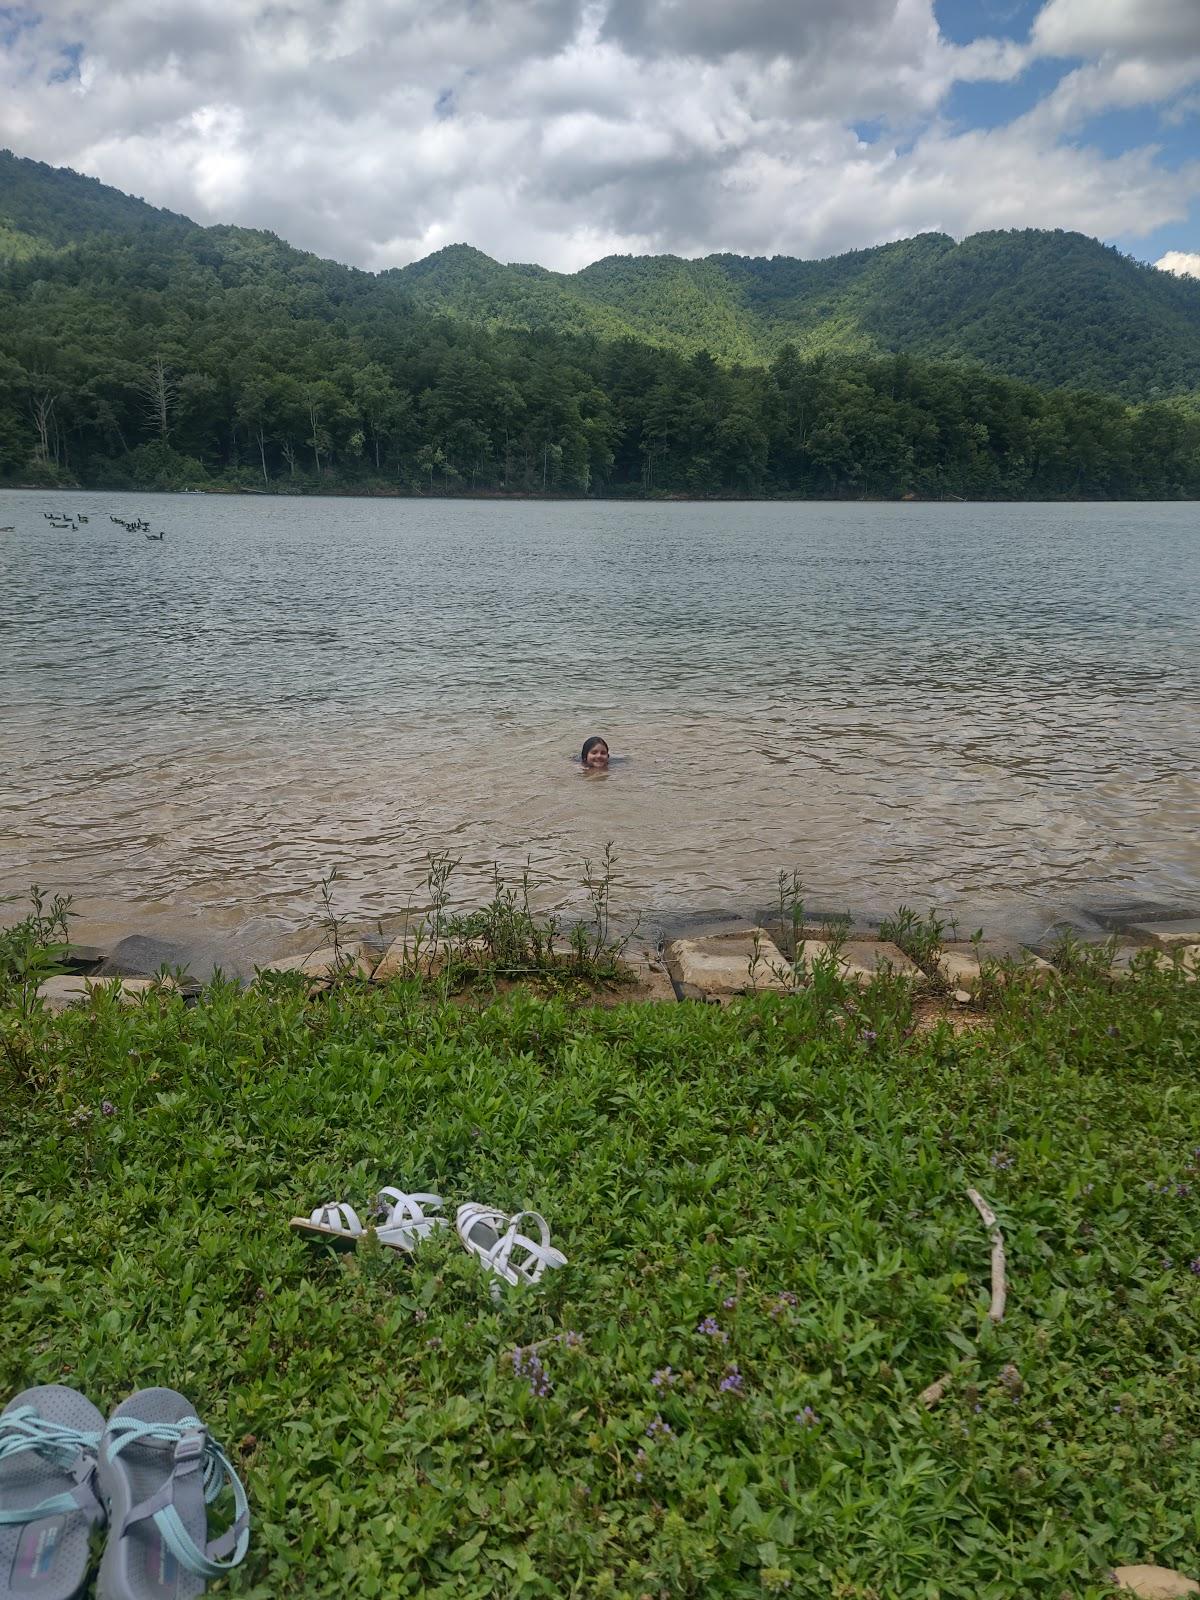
{"x":1180,"y":930}
{"x":84,"y":957}
{"x":726,"y":964}
{"x":652,"y":980}
{"x":410,"y":956}
{"x":1155,"y":1583}
{"x":821,"y":930}
{"x":961,"y":963}
{"x":140,"y":956}
{"x":320,"y":965}
{"x":860,"y":960}
{"x":1186,"y":957}
{"x":68,"y":989}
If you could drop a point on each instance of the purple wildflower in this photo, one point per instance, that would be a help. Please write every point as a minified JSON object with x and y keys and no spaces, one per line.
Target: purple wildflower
{"x":527,"y":1364}
{"x":732,"y":1382}
{"x":712,"y":1327}
{"x":664,"y":1378}
{"x":807,"y":1418}
{"x":1183,"y":1190}
{"x":658,"y":1427}
{"x":1167,"y":1262}
{"x":869,"y":1036}
{"x":782,"y":1302}
{"x":729,"y":1301}
{"x":1002,"y":1160}
{"x":571,"y":1340}
{"x":107,"y":1109}
{"x":1195,"y":1266}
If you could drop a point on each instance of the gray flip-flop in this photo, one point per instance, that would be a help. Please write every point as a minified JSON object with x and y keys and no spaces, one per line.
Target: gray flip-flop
{"x":49,"y":1436}
{"x":158,"y":1471}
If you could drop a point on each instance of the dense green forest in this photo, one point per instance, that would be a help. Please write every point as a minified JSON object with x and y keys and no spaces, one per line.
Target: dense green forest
{"x":138,"y":349}
{"x":1054,"y":309}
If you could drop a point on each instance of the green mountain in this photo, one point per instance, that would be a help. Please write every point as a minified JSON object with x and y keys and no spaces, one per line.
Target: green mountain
{"x":1053,"y":308}
{"x":46,"y":208}
{"x":138,"y":349}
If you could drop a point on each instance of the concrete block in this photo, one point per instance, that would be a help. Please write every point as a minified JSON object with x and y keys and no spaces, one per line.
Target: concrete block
{"x":961,"y":963}
{"x":652,"y":980}
{"x":859,"y":960}
{"x":321,"y":965}
{"x":1180,"y":930}
{"x":58,"y":993}
{"x":411,"y":957}
{"x":726,"y":964}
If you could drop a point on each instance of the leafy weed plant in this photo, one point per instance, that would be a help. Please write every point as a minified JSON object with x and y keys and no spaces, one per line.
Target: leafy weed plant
{"x":506,"y":940}
{"x":920,"y":938}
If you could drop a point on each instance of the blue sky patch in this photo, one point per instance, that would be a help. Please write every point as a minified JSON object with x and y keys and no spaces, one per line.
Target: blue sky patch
{"x":962,"y":21}
{"x":71,"y":55}
{"x":991,"y":105}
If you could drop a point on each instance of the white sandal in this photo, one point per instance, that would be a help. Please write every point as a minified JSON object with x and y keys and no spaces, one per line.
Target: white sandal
{"x":494,"y":1237}
{"x":404,"y":1224}
{"x":337,"y":1220}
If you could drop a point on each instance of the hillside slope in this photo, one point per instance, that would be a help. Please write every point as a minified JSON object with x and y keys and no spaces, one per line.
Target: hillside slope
{"x":45,"y":208}
{"x":1054,"y":309}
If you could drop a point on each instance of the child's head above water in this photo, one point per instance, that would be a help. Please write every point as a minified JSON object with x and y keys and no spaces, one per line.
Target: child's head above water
{"x":595,"y":753}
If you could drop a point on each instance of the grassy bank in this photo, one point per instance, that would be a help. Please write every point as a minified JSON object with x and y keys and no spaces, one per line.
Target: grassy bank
{"x":786,"y":1173}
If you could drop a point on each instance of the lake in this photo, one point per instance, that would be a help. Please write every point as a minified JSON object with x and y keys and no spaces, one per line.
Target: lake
{"x":994,"y":710}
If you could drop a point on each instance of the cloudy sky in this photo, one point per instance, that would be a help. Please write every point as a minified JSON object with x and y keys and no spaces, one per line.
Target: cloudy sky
{"x":376,"y":131}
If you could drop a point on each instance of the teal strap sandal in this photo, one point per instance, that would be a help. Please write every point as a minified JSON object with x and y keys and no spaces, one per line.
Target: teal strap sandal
{"x":159,"y":1471}
{"x":49,"y":1437}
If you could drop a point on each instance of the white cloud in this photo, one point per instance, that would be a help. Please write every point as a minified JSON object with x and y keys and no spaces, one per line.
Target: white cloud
{"x":375,"y":131}
{"x":1185,"y":263}
{"x":1151,"y":29}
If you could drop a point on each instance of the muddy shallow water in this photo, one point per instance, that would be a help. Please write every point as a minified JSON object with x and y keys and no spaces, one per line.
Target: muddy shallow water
{"x":989,"y":709}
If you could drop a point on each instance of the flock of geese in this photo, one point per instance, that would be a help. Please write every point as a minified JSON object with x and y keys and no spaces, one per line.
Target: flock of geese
{"x":66,"y":521}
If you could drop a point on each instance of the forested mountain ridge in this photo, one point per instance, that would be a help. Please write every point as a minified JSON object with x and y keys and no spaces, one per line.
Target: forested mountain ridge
{"x":150,"y":352}
{"x":45,"y":208}
{"x":1053,"y":308}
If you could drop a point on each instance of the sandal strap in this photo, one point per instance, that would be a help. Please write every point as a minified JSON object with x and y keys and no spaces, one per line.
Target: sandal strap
{"x":193,"y":1451}
{"x":402,"y":1213}
{"x":72,"y":1450}
{"x":538,"y":1255}
{"x":534,"y":1255}
{"x":339,"y":1216}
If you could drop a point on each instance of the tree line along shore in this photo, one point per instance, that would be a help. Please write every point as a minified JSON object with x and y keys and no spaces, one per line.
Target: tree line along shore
{"x":186,"y":362}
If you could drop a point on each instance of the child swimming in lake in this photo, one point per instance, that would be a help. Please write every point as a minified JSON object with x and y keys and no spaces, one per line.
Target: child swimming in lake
{"x":594,"y":755}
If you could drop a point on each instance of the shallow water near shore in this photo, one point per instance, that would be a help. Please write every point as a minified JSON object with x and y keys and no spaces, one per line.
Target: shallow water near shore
{"x":994,"y":710}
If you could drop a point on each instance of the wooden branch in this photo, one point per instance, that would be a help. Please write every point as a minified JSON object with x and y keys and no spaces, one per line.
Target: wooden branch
{"x":929,"y":1397}
{"x":999,"y":1287}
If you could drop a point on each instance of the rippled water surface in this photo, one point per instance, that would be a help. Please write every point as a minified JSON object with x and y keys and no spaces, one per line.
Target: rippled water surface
{"x":988,"y":708}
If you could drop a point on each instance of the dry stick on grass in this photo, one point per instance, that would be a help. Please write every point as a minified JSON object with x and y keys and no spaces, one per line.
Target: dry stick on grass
{"x":929,"y":1397}
{"x":999,"y":1287}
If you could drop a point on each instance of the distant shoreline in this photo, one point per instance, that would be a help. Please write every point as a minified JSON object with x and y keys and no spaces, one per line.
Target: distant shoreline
{"x":598,"y":499}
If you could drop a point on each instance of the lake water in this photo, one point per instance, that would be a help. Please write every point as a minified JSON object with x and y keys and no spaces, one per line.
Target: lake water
{"x":989,"y":709}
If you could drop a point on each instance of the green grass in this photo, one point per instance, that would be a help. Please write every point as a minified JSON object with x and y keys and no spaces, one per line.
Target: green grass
{"x":793,"y":1168}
